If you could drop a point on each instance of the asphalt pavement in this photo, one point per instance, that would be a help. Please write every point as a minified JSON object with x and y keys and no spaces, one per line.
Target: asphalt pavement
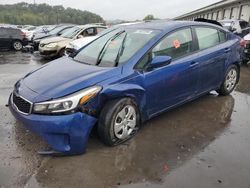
{"x":205,"y":143}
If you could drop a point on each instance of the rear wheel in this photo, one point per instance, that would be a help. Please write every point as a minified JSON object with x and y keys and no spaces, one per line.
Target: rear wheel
{"x":118,"y":122}
{"x":17,"y":45}
{"x":230,"y":81}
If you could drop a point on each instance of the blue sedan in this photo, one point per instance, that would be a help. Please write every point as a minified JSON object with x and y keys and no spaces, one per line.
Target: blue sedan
{"x":124,"y":78}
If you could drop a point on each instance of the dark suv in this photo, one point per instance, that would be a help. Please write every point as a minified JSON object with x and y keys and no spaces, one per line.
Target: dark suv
{"x":12,"y":38}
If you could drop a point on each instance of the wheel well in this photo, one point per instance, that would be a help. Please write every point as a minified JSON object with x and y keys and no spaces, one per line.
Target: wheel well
{"x":14,"y":40}
{"x":119,"y":98}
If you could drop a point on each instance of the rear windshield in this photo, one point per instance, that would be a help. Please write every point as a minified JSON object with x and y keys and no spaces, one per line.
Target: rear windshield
{"x":116,"y":47}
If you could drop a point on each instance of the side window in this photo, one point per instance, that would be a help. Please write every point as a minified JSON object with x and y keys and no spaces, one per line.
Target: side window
{"x":244,"y":24}
{"x":207,"y":37}
{"x":3,"y":32}
{"x":175,"y":45}
{"x":100,"y":29}
{"x":222,"y":36}
{"x":90,"y":32}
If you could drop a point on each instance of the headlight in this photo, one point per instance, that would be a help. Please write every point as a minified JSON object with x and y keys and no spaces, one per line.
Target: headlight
{"x":51,"y":45}
{"x":67,"y":103}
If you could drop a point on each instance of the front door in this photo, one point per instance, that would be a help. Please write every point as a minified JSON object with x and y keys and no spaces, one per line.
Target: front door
{"x":174,"y":83}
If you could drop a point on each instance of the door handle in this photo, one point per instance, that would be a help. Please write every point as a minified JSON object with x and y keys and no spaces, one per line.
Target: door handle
{"x":226,"y":50}
{"x":193,"y":64}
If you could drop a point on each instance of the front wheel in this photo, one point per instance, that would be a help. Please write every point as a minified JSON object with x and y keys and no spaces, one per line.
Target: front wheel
{"x":230,"y":81}
{"x":118,"y":122}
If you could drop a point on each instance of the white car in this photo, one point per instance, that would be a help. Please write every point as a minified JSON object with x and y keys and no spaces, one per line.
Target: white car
{"x":77,"y":44}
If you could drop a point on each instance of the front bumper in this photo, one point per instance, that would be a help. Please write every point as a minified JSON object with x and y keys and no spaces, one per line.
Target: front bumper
{"x":48,"y":52}
{"x":67,"y":134}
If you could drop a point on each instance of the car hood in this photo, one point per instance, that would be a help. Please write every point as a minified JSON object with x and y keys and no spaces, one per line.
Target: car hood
{"x":41,"y":36}
{"x":54,"y":39}
{"x":63,"y":77}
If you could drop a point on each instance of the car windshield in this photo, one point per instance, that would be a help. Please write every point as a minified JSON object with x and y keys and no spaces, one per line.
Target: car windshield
{"x":71,"y":33}
{"x":56,"y":30}
{"x":116,"y":47}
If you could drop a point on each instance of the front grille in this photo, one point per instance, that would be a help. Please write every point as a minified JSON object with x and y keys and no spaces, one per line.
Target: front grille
{"x":21,"y":104}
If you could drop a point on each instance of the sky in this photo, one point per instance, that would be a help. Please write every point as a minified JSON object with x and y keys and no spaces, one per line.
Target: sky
{"x":128,"y":9}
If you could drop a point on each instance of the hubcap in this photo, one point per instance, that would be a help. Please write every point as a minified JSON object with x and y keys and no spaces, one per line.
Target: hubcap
{"x":231,"y":79}
{"x":17,"y":46}
{"x":125,"y":122}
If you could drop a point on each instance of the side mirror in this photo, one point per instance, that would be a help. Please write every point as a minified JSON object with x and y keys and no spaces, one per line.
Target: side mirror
{"x":160,"y":61}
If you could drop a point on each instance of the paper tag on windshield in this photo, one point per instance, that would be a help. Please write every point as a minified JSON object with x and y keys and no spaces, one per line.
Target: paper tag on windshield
{"x":145,"y":32}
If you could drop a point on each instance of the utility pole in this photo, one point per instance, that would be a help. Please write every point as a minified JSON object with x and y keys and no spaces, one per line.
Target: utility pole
{"x":34,"y":2}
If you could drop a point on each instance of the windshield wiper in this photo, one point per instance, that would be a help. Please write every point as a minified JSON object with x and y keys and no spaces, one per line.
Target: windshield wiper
{"x":121,"y":50}
{"x":101,"y":53}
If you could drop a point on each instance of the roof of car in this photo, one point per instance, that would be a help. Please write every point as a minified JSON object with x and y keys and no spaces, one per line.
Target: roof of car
{"x":89,"y":25}
{"x":168,"y":25}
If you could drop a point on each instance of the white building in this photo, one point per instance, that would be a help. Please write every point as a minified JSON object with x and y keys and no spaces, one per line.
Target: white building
{"x":226,"y":9}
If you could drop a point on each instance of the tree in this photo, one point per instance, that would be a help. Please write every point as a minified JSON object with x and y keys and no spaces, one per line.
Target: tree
{"x":149,"y":17}
{"x":40,"y":14}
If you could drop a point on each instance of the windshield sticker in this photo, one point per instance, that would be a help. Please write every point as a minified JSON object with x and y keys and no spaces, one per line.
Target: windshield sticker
{"x":143,"y":32}
{"x":176,"y":43}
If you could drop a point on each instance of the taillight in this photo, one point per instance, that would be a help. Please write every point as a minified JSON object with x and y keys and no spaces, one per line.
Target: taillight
{"x":23,"y":34}
{"x":243,"y":43}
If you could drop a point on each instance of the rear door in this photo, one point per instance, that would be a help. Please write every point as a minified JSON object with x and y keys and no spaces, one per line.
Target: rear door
{"x":213,"y":53}
{"x":5,"y":40}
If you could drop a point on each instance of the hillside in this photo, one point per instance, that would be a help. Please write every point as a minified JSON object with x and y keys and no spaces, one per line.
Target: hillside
{"x":43,"y":14}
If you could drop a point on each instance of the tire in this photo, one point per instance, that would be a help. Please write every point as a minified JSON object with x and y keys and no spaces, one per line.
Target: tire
{"x":230,"y":81}
{"x":17,"y":45}
{"x":61,"y":52}
{"x":113,"y":129}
